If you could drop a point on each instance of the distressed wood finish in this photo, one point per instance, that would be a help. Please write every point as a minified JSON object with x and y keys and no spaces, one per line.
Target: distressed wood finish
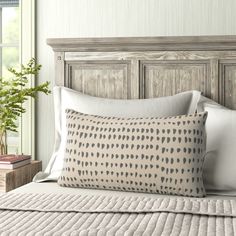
{"x":164,"y":78}
{"x":100,"y":78}
{"x":174,"y":43}
{"x":11,"y":179}
{"x":148,"y":67}
{"x":227,"y":80}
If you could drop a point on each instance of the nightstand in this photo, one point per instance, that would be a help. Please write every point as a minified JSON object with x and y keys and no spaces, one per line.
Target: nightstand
{"x":11,"y":179}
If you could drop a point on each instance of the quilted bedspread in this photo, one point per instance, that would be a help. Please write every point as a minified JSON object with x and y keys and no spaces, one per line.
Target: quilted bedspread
{"x":62,"y":214}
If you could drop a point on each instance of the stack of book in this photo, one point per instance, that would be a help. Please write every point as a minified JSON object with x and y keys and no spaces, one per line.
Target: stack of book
{"x":10,"y":162}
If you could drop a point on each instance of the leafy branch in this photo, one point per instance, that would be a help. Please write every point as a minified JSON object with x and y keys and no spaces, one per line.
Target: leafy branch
{"x":15,"y":92}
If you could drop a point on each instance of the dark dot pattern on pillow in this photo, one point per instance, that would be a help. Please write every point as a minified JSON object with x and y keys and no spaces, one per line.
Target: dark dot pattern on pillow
{"x":154,"y":155}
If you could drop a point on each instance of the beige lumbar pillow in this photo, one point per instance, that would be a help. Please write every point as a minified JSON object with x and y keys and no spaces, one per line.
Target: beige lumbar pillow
{"x":154,"y":155}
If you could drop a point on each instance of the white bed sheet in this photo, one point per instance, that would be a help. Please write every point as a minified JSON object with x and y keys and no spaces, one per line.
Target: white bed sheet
{"x":53,"y":187}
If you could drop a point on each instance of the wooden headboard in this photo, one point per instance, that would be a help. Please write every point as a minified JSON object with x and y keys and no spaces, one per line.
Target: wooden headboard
{"x":145,"y":67}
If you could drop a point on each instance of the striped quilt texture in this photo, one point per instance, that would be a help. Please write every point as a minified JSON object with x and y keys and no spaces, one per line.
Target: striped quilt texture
{"x":64,"y":214}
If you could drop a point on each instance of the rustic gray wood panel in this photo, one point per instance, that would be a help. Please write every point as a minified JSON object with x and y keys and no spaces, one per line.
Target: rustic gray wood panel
{"x":228,"y":83}
{"x":100,"y":78}
{"x":151,"y":55}
{"x":165,"y":78}
{"x":148,"y":66}
{"x":59,"y":68}
{"x":174,"y":43}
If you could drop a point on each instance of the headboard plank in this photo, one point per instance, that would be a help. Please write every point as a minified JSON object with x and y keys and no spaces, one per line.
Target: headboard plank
{"x":144,"y":43}
{"x":147,"y":67}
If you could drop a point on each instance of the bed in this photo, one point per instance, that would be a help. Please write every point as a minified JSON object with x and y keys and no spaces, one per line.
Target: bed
{"x":131,"y":68}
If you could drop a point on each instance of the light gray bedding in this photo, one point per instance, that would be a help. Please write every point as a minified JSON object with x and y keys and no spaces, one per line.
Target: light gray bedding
{"x":83,"y":212}
{"x":53,"y":187}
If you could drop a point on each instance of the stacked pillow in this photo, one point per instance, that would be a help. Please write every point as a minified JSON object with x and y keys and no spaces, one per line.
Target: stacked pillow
{"x":220,"y":160}
{"x":219,"y":166}
{"x":64,"y":98}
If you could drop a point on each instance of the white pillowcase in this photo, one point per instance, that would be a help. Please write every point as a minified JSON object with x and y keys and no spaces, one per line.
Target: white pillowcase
{"x":64,"y":98}
{"x":204,"y":100}
{"x":220,"y":160}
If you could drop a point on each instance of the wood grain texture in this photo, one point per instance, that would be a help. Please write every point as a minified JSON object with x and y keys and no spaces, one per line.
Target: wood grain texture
{"x":11,"y":179}
{"x":208,"y":43}
{"x":166,"y":78}
{"x":145,"y":67}
{"x":227,"y":80}
{"x":151,"y":55}
{"x":100,"y":78}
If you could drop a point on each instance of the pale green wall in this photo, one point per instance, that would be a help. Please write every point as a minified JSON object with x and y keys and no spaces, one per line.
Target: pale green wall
{"x":101,"y":18}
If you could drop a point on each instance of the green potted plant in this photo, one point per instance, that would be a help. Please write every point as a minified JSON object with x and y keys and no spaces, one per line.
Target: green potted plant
{"x":13,"y":94}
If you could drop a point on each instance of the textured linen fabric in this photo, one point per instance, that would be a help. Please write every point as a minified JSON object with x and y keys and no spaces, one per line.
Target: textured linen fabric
{"x":63,"y":214}
{"x":179,"y":104}
{"x":220,"y":160}
{"x":156,"y":155}
{"x":53,"y":187}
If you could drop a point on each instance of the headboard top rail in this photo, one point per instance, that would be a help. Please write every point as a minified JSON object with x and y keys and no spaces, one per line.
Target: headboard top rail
{"x":146,"y":67}
{"x":167,"y":43}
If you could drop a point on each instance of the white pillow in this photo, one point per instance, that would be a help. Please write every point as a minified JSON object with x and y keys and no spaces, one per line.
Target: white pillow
{"x":204,"y":100}
{"x":220,"y":160}
{"x":64,"y":98}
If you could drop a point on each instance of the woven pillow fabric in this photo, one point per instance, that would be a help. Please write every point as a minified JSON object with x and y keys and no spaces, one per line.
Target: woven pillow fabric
{"x":154,"y":155}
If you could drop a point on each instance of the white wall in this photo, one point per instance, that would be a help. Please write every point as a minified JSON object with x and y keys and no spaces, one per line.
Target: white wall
{"x":105,"y":18}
